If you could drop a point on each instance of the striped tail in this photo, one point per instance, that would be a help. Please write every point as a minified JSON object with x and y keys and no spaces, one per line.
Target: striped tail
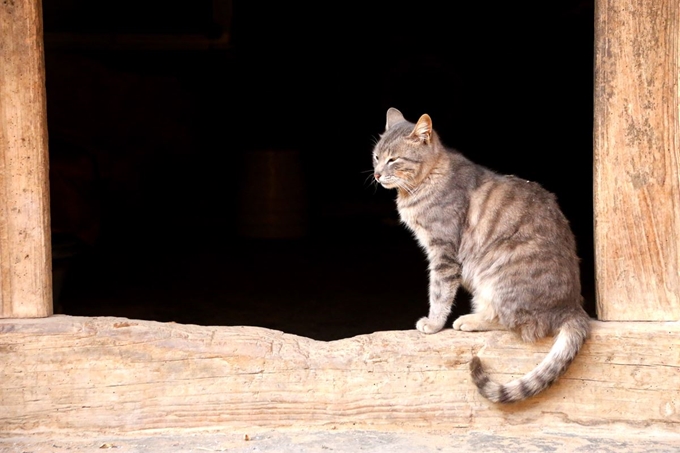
{"x":568,"y":342}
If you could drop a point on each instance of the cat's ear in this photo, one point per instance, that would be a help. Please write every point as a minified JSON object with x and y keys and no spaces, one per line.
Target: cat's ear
{"x":423,"y":129}
{"x":393,"y":117}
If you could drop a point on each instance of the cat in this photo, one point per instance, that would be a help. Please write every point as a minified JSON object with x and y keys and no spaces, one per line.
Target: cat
{"x":502,"y":238}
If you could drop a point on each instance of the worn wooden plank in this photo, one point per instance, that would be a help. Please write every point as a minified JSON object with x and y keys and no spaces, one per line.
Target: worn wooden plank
{"x":73,"y":375}
{"x":25,"y":253}
{"x":637,"y":160}
{"x":315,"y":440}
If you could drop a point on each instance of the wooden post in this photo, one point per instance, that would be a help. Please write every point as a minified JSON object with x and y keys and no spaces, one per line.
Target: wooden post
{"x":25,"y":253}
{"x":637,"y":155}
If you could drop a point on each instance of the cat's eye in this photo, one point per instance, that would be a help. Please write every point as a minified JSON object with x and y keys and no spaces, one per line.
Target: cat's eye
{"x":391,"y":160}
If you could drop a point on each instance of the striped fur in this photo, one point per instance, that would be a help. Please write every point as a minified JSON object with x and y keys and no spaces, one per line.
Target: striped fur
{"x":502,"y":238}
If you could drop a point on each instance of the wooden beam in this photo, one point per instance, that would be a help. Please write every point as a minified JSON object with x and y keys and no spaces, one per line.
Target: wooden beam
{"x":25,"y":254}
{"x":69,"y":376}
{"x":637,"y":160}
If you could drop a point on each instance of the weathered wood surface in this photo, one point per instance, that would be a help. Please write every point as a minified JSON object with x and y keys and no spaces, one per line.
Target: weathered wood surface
{"x":637,"y":160}
{"x":73,"y":375}
{"x":25,"y":253}
{"x":314,"y":440}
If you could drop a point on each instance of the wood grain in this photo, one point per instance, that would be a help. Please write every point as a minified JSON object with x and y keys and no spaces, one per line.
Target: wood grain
{"x":637,"y":158}
{"x":25,"y":254}
{"x":70,"y":375}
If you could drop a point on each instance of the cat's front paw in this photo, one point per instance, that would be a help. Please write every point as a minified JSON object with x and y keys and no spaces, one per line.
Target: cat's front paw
{"x":425,"y":325}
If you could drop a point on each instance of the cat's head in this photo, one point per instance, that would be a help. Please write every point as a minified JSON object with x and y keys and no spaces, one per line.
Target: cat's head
{"x":404,"y":153}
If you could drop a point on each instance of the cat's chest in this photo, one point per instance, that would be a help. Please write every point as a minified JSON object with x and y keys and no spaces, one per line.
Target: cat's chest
{"x":413,"y":219}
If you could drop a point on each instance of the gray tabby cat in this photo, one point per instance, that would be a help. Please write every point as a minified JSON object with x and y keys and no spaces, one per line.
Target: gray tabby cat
{"x":501,"y":237}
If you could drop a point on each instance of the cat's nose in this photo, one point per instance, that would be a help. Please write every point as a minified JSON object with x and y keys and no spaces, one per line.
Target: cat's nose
{"x":377,"y":176}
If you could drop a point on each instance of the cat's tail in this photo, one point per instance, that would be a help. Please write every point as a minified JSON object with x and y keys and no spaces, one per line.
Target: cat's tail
{"x":568,"y":341}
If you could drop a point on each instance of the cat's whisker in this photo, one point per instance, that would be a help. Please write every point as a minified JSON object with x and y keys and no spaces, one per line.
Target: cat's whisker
{"x":404,"y":187}
{"x":369,"y":174}
{"x":370,"y":180}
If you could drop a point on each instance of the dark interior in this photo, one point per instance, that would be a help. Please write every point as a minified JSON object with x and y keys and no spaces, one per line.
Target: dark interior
{"x":196,"y":179}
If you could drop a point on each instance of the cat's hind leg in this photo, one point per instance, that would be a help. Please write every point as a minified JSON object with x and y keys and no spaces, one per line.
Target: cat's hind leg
{"x":483,"y":317}
{"x":475,"y":322}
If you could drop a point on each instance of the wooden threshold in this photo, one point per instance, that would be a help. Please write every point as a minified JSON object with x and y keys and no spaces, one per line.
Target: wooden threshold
{"x":73,"y":375}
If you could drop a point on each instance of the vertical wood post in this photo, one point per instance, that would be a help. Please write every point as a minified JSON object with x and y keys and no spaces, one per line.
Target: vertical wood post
{"x":637,"y":155}
{"x":25,"y":250}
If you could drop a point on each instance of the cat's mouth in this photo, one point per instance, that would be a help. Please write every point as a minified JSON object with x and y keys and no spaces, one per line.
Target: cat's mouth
{"x":394,"y":182}
{"x":387,"y":182}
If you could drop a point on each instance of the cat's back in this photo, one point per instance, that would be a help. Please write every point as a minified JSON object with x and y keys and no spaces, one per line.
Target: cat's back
{"x":508,"y":208}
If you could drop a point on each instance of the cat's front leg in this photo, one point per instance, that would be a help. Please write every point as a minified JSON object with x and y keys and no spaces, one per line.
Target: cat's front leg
{"x":444,"y":283}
